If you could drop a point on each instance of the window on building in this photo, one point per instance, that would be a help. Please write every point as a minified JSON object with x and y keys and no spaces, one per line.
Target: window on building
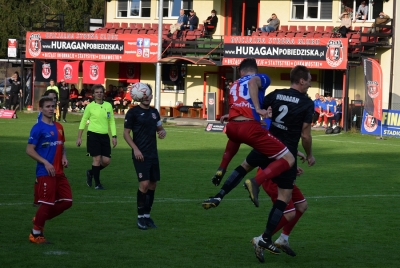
{"x":171,"y":8}
{"x":134,"y":8}
{"x":312,"y":9}
{"x":351,"y":6}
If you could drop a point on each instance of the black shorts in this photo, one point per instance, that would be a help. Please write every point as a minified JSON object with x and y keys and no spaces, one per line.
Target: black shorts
{"x":148,"y":170}
{"x":285,"y":180}
{"x":98,"y":144}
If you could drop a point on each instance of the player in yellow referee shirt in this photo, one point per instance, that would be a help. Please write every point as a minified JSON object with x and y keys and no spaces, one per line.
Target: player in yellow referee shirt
{"x":101,"y":117}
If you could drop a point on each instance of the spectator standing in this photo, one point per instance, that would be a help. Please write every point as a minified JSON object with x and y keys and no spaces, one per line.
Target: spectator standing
{"x":345,"y":24}
{"x":144,"y":122}
{"x":273,"y":24}
{"x":339,"y":111}
{"x":180,"y":24}
{"x":64,"y":100}
{"x":15,"y":91}
{"x":101,"y":117}
{"x":193,"y":21}
{"x":362,"y":12}
{"x":210,"y":24}
{"x":52,"y":185}
{"x":55,"y":88}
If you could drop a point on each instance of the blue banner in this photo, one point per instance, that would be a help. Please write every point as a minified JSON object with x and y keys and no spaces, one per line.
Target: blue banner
{"x":390,"y":124}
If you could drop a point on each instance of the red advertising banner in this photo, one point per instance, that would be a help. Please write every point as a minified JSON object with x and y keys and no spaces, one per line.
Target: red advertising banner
{"x":92,"y":46}
{"x":68,"y":71}
{"x":12,"y":48}
{"x":318,"y":53}
{"x":373,"y":88}
{"x":6,"y":113}
{"x":129,"y":72}
{"x":93,"y":72}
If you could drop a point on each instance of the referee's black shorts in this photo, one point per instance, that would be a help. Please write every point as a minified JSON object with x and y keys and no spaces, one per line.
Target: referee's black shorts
{"x":98,"y":144}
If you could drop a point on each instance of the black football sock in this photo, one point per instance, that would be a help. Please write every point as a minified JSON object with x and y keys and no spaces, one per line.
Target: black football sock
{"x":140,"y":200}
{"x":232,"y":181}
{"x":96,"y":174}
{"x":274,"y":217}
{"x":101,"y":167}
{"x":149,"y":201}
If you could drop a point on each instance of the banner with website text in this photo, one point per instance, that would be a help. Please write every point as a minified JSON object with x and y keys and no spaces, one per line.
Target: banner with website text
{"x":314,"y":53}
{"x":92,"y":46}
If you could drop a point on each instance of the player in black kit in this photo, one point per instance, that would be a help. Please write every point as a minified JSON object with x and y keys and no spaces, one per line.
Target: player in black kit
{"x":144,"y":122}
{"x":291,"y":119}
{"x":64,"y":100}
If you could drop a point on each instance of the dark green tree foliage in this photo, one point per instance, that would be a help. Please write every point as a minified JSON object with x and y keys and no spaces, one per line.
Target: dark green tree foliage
{"x":18,"y":16}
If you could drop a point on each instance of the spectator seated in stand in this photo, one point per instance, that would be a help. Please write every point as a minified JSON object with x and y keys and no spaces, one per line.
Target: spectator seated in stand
{"x":316,"y":109}
{"x":180,"y":24}
{"x":322,"y":112}
{"x":108,"y":94}
{"x":73,"y":97}
{"x":86,"y":95}
{"x":193,"y":21}
{"x":345,"y":24}
{"x":273,"y":24}
{"x":118,"y":100}
{"x":330,"y":110}
{"x":127,"y":99}
{"x":210,"y":24}
{"x":382,"y":19}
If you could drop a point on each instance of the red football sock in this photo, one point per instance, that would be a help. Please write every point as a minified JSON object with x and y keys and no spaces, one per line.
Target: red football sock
{"x":58,"y":208}
{"x":230,"y":151}
{"x":281,"y":223}
{"x":272,"y":170}
{"x":42,"y":214}
{"x":287,"y":229}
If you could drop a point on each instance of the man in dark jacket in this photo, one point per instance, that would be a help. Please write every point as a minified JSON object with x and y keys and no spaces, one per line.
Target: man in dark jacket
{"x":210,"y":24}
{"x":16,"y":88}
{"x":64,"y":100}
{"x":193,"y":21}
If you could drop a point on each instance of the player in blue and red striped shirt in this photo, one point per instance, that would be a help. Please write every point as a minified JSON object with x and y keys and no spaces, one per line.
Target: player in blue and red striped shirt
{"x":46,"y":146}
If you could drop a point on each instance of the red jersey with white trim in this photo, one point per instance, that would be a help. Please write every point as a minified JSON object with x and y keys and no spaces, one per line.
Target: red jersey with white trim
{"x":240,"y":102}
{"x":49,"y":144}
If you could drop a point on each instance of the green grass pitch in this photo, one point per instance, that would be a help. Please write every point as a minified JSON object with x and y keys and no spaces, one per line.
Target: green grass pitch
{"x":352,"y":220}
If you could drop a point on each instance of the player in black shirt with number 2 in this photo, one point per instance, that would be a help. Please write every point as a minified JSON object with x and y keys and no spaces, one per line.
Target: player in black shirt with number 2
{"x":144,"y":122}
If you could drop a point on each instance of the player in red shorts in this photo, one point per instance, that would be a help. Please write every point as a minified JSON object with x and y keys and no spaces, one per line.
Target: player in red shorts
{"x":244,"y":125}
{"x":46,"y":146}
{"x":292,"y":112}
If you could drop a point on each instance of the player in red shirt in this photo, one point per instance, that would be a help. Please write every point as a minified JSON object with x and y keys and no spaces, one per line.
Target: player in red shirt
{"x":46,"y":146}
{"x":244,"y":125}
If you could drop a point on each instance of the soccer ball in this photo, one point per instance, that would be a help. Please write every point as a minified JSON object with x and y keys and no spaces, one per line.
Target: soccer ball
{"x":140,"y":91}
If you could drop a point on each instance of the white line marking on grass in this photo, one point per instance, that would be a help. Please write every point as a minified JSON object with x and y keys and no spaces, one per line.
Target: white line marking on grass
{"x":360,"y":142}
{"x":184,"y":200}
{"x":56,"y":252}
